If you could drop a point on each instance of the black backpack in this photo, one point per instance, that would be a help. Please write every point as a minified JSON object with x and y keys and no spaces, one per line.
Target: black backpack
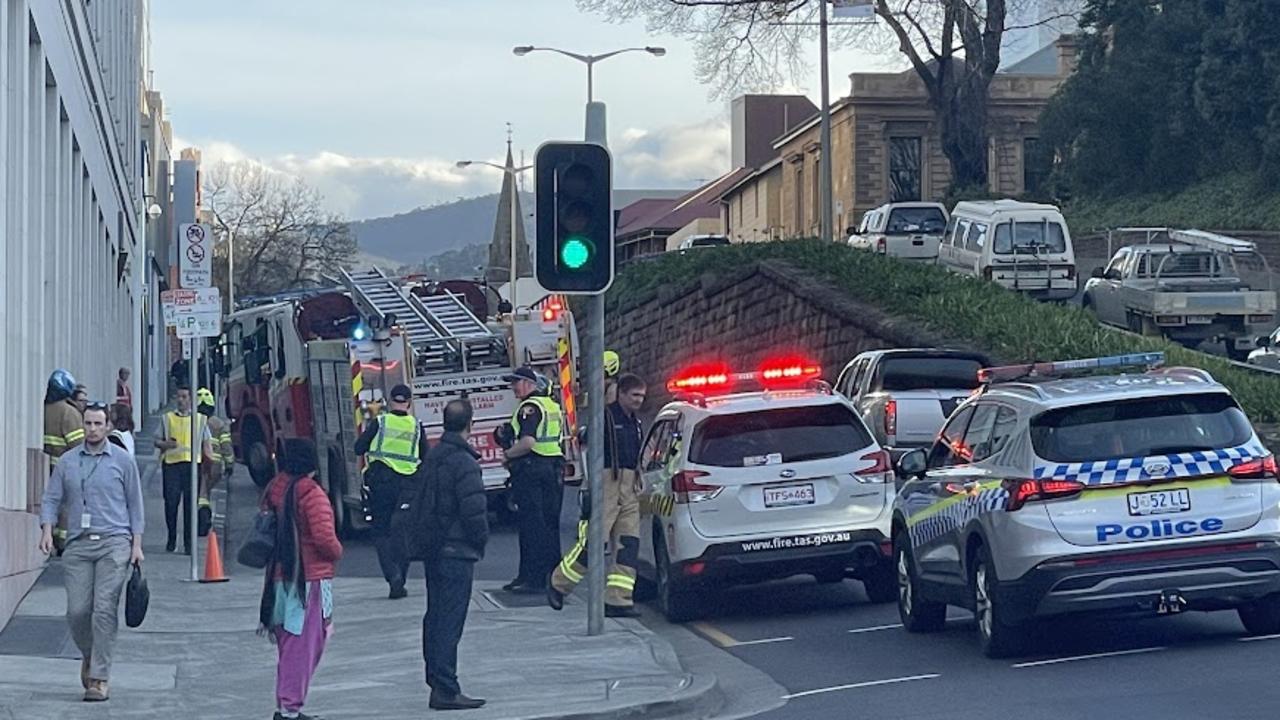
{"x":415,"y":523}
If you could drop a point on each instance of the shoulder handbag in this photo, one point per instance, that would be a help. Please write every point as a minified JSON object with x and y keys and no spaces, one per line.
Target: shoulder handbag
{"x":136,"y":599}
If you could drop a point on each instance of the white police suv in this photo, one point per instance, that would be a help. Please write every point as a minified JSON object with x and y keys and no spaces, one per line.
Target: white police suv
{"x":747,"y":486}
{"x":1045,"y":495}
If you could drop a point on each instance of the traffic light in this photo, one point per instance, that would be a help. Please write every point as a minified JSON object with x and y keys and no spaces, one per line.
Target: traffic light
{"x":574,"y":191}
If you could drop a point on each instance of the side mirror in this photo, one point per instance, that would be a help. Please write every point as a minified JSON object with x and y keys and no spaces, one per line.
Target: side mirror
{"x":1263,"y":342}
{"x":912,"y":463}
{"x":1112,"y":275}
{"x":1097,"y":272}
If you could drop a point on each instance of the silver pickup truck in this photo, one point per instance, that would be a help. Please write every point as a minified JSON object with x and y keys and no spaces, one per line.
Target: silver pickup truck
{"x":1190,"y":286}
{"x":904,"y":396}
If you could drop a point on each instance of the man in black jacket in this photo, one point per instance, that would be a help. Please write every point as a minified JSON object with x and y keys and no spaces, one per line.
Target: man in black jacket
{"x":459,"y":529}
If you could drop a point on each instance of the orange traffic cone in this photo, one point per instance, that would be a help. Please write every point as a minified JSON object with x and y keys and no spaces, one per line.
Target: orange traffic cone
{"x":213,"y":561}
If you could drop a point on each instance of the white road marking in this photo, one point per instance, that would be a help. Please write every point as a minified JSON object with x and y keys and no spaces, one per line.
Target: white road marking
{"x":1094,"y":656}
{"x":764,"y":641}
{"x":1259,"y":637}
{"x":854,"y":686}
{"x":876,"y":628}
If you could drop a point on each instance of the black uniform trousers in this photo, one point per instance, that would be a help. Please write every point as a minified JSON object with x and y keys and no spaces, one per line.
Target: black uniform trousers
{"x":176,"y":481}
{"x":384,"y":497}
{"x":449,"y":582}
{"x":535,"y":485}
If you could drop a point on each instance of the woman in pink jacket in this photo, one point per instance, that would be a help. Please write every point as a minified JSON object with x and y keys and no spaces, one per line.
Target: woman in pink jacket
{"x":297,"y":593}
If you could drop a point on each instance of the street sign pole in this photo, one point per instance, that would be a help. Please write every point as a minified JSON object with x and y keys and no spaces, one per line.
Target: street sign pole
{"x":192,"y":516}
{"x":593,"y":347}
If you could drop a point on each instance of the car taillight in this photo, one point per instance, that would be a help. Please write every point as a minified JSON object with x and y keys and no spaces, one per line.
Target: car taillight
{"x":881,"y":246}
{"x":1022,"y":491}
{"x":1263,"y":468}
{"x":687,"y":489}
{"x":879,"y":472}
{"x":1071,"y":272}
{"x":891,"y":418}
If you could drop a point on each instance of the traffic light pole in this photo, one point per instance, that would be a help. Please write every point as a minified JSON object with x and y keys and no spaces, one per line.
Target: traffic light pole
{"x":594,"y":351}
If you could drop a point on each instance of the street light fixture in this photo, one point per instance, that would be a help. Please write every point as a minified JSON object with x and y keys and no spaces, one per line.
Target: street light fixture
{"x":515,"y":215}
{"x":588,"y":60}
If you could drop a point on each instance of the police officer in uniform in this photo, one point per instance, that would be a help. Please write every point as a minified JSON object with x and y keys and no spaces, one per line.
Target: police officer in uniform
{"x":393,"y":447}
{"x":536,"y":463}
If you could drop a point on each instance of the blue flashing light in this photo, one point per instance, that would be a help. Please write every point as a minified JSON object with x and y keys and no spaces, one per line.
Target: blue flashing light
{"x":1042,"y":369}
{"x":360,"y":332}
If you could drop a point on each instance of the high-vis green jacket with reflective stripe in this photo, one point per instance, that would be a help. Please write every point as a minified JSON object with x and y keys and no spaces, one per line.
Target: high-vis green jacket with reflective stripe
{"x":396,"y":444}
{"x":547,"y":441}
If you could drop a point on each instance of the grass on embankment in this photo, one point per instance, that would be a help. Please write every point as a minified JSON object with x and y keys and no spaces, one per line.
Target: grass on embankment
{"x":1229,"y":202}
{"x":1009,"y":326}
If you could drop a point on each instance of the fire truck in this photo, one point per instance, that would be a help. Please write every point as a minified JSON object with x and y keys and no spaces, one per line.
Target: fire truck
{"x":320,"y":367}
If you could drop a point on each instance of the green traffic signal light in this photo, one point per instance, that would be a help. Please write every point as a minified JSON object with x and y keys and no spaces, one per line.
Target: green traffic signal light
{"x":575,"y":253}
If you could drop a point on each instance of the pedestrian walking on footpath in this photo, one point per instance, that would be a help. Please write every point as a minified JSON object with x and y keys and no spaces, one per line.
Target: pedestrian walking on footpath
{"x":175,"y":441}
{"x":296,"y":610}
{"x":122,"y":428}
{"x":124,"y":394}
{"x":394,"y":446}
{"x":98,"y":485}
{"x":451,"y":538}
{"x":536,"y":463}
{"x":622,"y":485}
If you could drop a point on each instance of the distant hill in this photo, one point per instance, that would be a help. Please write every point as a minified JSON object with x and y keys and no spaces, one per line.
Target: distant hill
{"x":412,"y":238}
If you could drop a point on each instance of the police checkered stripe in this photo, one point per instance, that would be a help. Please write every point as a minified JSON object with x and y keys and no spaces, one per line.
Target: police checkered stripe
{"x":1114,"y":472}
{"x":956,"y":516}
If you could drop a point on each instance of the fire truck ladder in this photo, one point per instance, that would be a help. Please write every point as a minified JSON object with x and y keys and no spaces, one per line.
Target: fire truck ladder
{"x":439,"y":328}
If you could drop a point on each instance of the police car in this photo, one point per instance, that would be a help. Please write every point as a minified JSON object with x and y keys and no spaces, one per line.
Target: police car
{"x":744,"y":485}
{"x":1144,"y":492}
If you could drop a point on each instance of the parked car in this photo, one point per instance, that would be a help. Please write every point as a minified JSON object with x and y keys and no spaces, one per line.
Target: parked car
{"x":1023,"y":246}
{"x":743,"y":485}
{"x":702,"y":241}
{"x":905,"y":396}
{"x":1187,"y":285}
{"x":1268,"y":353}
{"x":908,"y":230}
{"x":1144,"y":493}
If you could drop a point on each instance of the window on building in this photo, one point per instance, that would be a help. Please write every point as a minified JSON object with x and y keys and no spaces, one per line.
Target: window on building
{"x":815,"y":192}
{"x":755,"y":192}
{"x":904,"y":169}
{"x":798,"y":204}
{"x":1036,"y":165}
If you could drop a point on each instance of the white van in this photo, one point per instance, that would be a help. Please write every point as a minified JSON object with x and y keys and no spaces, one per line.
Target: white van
{"x":1023,"y":246}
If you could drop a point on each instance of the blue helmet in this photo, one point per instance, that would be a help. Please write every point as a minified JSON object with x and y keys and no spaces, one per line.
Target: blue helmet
{"x":61,"y":386}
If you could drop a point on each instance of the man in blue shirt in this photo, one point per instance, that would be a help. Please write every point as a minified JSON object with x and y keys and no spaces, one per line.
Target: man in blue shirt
{"x":99,"y":487}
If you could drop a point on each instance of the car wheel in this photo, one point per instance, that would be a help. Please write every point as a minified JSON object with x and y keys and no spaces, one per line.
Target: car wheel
{"x":1237,"y":354}
{"x":675,"y":599}
{"x":997,"y":637}
{"x":881,"y":583}
{"x":918,"y":615}
{"x":1262,"y":616}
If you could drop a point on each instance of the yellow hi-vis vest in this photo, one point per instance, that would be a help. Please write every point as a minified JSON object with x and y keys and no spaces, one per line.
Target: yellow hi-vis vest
{"x":547,"y":441}
{"x":397,"y":443}
{"x":178,"y":428}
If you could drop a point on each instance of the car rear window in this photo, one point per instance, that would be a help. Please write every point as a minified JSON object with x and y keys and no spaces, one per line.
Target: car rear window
{"x":794,"y":434}
{"x":919,"y":220}
{"x":710,"y":241}
{"x":929,"y":373}
{"x":1029,"y":238}
{"x":1141,"y":427}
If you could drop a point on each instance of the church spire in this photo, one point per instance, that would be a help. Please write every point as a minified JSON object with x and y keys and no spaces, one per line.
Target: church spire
{"x":500,"y":247}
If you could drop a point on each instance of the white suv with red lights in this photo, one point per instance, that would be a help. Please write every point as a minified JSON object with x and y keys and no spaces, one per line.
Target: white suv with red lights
{"x":765,"y":483}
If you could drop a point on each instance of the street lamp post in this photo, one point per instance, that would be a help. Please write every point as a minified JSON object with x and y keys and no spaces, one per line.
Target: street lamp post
{"x":589,"y":60}
{"x":515,"y":216}
{"x":593,"y":351}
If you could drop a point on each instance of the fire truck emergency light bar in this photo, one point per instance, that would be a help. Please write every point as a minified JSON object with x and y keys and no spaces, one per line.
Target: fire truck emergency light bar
{"x":719,"y":377}
{"x":1015,"y":372}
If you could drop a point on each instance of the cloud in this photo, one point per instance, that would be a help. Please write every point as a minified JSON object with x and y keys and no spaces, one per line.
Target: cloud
{"x":679,"y":156}
{"x":365,"y":187}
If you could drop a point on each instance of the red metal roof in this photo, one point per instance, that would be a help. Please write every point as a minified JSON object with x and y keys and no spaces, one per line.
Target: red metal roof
{"x":671,"y":215}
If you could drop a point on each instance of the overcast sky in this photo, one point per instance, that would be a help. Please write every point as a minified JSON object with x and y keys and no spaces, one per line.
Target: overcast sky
{"x":374,"y":101}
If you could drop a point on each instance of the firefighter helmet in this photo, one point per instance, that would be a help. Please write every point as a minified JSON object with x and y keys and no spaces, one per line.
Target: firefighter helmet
{"x":204,"y":396}
{"x":612,"y":363}
{"x":61,"y":386}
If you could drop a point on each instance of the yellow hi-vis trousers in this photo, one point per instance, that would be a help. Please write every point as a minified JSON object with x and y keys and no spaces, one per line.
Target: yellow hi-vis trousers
{"x":622,"y":527}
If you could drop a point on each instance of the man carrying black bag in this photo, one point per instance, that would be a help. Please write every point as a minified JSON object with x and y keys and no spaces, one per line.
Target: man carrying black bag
{"x":446,"y":526}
